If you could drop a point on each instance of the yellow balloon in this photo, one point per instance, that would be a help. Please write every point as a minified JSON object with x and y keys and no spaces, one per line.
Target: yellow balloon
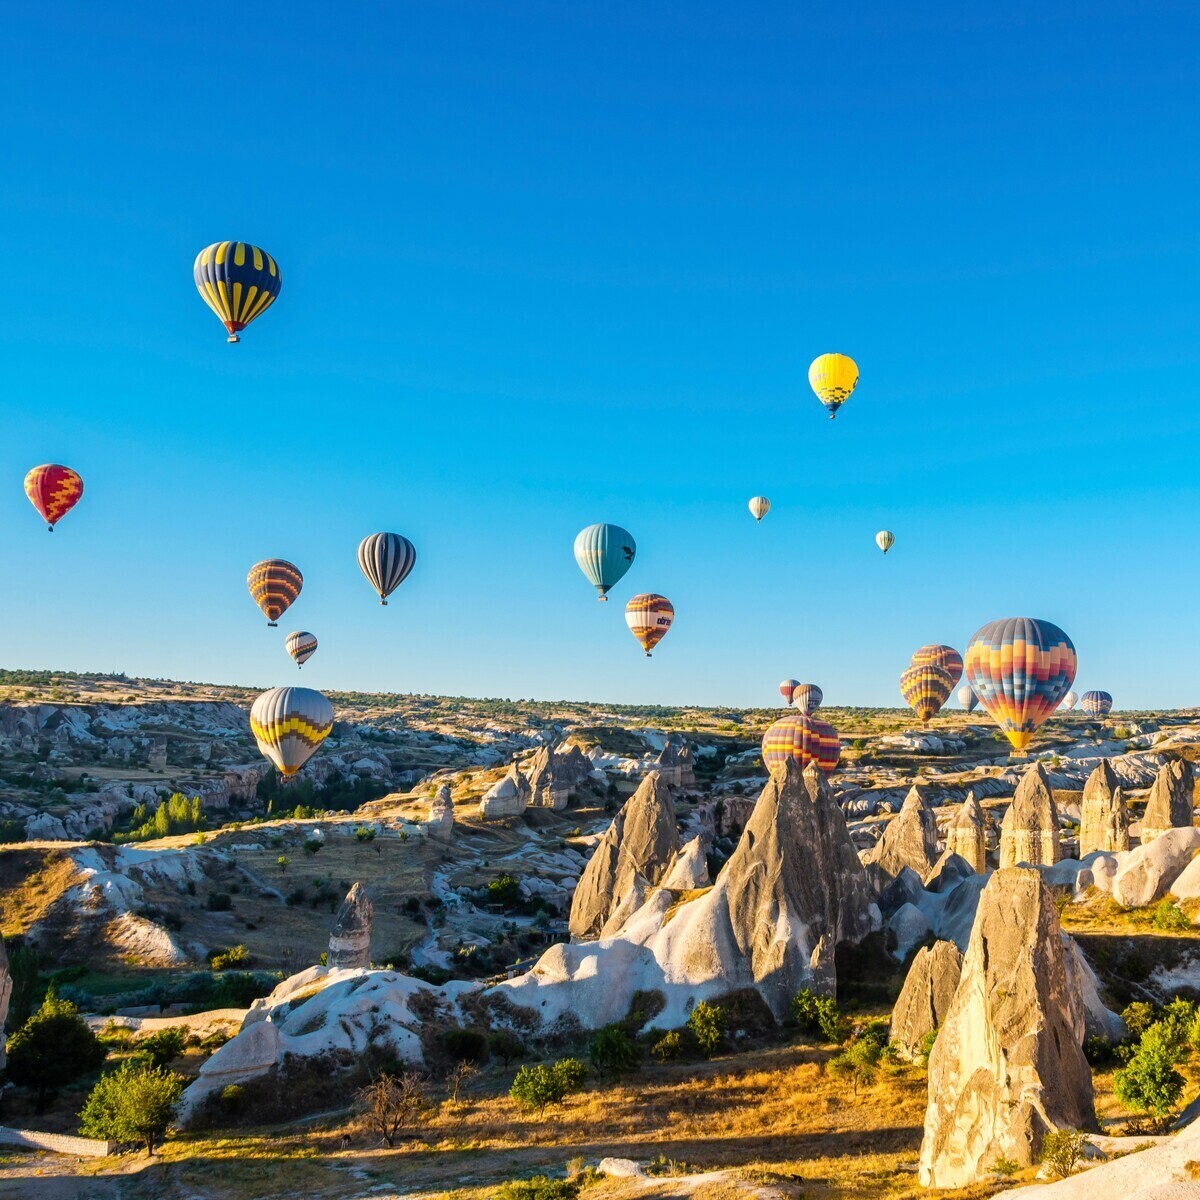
{"x":833,"y":377}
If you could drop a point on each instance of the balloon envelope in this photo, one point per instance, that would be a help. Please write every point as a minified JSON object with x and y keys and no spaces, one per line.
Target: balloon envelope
{"x":604,"y":553}
{"x":833,"y":377}
{"x":649,"y":616}
{"x":967,"y":698}
{"x":945,"y":657}
{"x":239,"y":282}
{"x":289,"y":723}
{"x":926,"y":689}
{"x":803,"y":738}
{"x":807,"y":698}
{"x":885,"y":539}
{"x":1020,"y":668}
{"x":759,"y":507}
{"x":1096,"y":704}
{"x":386,"y":559}
{"x":787,"y":687}
{"x":1069,"y":701}
{"x":53,"y":490}
{"x":274,"y":583}
{"x":301,"y":645}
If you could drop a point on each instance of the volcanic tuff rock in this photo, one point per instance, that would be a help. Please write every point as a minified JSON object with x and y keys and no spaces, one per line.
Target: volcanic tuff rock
{"x":1147,"y":872}
{"x":350,"y":940}
{"x":1170,"y":803}
{"x":1029,"y":831}
{"x":6,"y":986}
{"x":554,"y":776}
{"x":631,"y":858}
{"x":925,"y":998}
{"x":440,"y":821}
{"x":792,"y":890}
{"x":508,"y":797}
{"x":1008,"y":1065}
{"x":966,"y":835}
{"x":1104,"y":815}
{"x":909,"y":839}
{"x":674,"y":763}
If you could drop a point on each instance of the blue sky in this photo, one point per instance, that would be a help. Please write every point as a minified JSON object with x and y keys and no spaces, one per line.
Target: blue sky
{"x":551,"y":264}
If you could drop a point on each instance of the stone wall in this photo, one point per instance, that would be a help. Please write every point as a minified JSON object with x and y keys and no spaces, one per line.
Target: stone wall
{"x":60,"y":1143}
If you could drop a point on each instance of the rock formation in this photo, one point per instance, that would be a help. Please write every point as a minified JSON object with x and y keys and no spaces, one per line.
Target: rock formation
{"x":350,"y":939}
{"x":1104,"y":816}
{"x":689,"y":869}
{"x":508,"y":797}
{"x":1170,"y":802}
{"x":553,"y":777}
{"x":1008,"y":1065}
{"x":925,"y":998}
{"x":440,"y":821}
{"x":632,"y":857}
{"x":909,"y":840}
{"x":6,"y":986}
{"x":674,"y":764}
{"x":1029,"y":831}
{"x":1146,"y":873}
{"x":966,"y":835}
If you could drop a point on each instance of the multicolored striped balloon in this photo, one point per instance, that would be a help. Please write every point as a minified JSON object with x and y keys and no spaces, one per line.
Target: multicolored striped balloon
{"x":649,"y":616}
{"x":967,"y":698}
{"x":803,"y":738}
{"x":274,"y":583}
{"x":925,"y":689}
{"x":386,"y":559}
{"x":301,"y":645}
{"x":833,"y":377}
{"x":759,"y":507}
{"x":289,"y":723}
{"x":604,"y":553}
{"x":787,"y":688}
{"x":1020,"y":668}
{"x":1069,"y":701}
{"x":53,"y":490}
{"x":807,"y":698}
{"x":945,"y":657}
{"x":1096,"y":704}
{"x":239,"y":282}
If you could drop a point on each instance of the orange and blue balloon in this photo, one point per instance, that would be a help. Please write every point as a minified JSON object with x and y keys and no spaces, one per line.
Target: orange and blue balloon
{"x":1096,"y":704}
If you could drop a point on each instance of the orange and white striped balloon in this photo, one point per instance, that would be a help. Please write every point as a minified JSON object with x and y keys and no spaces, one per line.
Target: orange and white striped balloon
{"x":649,"y":616}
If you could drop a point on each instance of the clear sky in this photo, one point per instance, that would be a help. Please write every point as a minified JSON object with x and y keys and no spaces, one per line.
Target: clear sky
{"x":547,"y":264}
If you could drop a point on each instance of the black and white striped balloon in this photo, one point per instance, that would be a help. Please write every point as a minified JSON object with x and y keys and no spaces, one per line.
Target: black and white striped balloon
{"x":386,"y":560}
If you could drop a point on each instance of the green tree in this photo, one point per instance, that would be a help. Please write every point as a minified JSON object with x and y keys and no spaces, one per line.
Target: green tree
{"x":819,"y":1015}
{"x":1149,"y":1082}
{"x":611,"y":1052}
{"x":163,"y":1047}
{"x":537,"y":1086}
{"x":53,"y":1048}
{"x":860,"y":1060}
{"x":24,"y":969}
{"x":707,"y":1024}
{"x":134,"y":1104}
{"x":505,"y":1045}
{"x":505,"y":891}
{"x":1061,"y":1151}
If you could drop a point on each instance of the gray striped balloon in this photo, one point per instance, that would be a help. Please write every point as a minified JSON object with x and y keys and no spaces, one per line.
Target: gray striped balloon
{"x":386,"y":559}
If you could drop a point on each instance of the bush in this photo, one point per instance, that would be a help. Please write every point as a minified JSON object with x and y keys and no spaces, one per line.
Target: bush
{"x":925,"y":1047}
{"x":537,"y":1086}
{"x":505,"y":891}
{"x":818,"y":1015}
{"x":538,"y":1188}
{"x":1006,"y":1167}
{"x":1167,"y":916}
{"x":466,"y":1045}
{"x":668,"y":1046}
{"x":53,"y":1048}
{"x":312,"y":846}
{"x":1062,"y":1150}
{"x":860,"y":1059}
{"x":135,"y":1104}
{"x":505,"y":1046}
{"x":611,"y":1052}
{"x":1138,"y":1017}
{"x":219,"y":902}
{"x":235,"y":956}
{"x":163,"y":1047}
{"x":707,"y":1025}
{"x":365,"y":833}
{"x":1149,"y":1082}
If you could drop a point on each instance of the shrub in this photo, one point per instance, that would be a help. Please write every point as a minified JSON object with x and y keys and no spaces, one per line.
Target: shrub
{"x":235,"y":956}
{"x":1149,"y":1082}
{"x":1006,"y":1167}
{"x":1062,"y":1150}
{"x":163,"y":1047}
{"x":537,"y":1086}
{"x":365,"y":833}
{"x":505,"y":891}
{"x":1167,"y":916}
{"x":611,"y":1052}
{"x":668,"y":1046}
{"x":925,"y":1047}
{"x":860,"y":1059}
{"x":707,"y":1024}
{"x":53,"y":1048}
{"x":135,"y":1104}
{"x":466,"y":1045}
{"x":538,"y":1188}
{"x":283,"y":862}
{"x":312,"y":845}
{"x":505,"y":1045}
{"x":392,"y":1103}
{"x":219,"y":902}
{"x":818,"y":1014}
{"x":1138,"y":1017}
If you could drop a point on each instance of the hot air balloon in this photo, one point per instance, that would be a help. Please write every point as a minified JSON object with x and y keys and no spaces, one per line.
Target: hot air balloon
{"x":967,"y":698}
{"x":53,"y":490}
{"x":386,"y":560}
{"x":759,"y":507}
{"x":833,"y":377}
{"x":1069,"y":701}
{"x":1096,"y":704}
{"x":803,"y":738}
{"x":1020,"y":668}
{"x":237,"y":281}
{"x":807,"y":698}
{"x":289,"y":723}
{"x":885,"y":539}
{"x":649,"y":616}
{"x":604,"y":553}
{"x":274,"y":583}
{"x":301,"y":646}
{"x":787,"y":687}
{"x":926,"y":689}
{"x":945,"y":657}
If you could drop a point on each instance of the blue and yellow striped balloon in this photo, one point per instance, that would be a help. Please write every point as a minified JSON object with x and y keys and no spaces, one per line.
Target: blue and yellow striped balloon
{"x":239,"y":282}
{"x":1096,"y":704}
{"x":604,"y":553}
